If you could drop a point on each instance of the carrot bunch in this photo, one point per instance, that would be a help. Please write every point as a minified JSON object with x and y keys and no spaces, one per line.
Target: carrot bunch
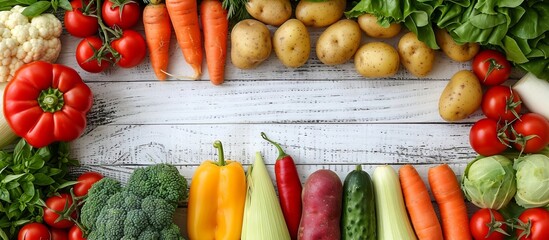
{"x":158,"y":19}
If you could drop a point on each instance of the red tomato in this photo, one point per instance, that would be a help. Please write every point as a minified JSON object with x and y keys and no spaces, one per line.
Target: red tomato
{"x":499,"y":103}
{"x":482,"y":221}
{"x":85,"y":181}
{"x":539,"y":228}
{"x":76,"y":233}
{"x":86,"y":50}
{"x":122,"y":13}
{"x":485,"y":136}
{"x":78,"y":24}
{"x":532,"y":131}
{"x":59,"y":234}
{"x":491,"y":67}
{"x":132,"y":48}
{"x":57,"y":204}
{"x":34,"y":231}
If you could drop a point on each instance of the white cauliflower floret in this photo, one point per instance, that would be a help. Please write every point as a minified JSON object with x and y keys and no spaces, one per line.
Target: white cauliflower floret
{"x":24,"y":40}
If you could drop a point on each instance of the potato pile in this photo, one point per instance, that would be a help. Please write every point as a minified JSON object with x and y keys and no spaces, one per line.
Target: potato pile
{"x":340,"y":41}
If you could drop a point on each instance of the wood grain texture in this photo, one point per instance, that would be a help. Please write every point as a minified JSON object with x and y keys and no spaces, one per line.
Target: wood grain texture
{"x":336,"y":144}
{"x":376,"y":101}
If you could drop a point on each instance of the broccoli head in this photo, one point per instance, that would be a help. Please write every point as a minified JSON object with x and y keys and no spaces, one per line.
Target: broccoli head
{"x":142,"y":210}
{"x":161,"y":180}
{"x":98,"y":194}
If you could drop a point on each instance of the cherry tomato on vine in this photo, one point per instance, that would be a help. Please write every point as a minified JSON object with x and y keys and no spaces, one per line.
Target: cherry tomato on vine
{"x":85,"y":182}
{"x":86,"y":55}
{"x":33,"y":231}
{"x":501,"y":103}
{"x":132,"y":48}
{"x":532,"y":132}
{"x":539,"y":224}
{"x":487,"y":137}
{"x":79,"y":24}
{"x":484,"y":222}
{"x":56,"y":204}
{"x":491,"y":67}
{"x":59,"y":234}
{"x":122,"y":13}
{"x":76,"y":233}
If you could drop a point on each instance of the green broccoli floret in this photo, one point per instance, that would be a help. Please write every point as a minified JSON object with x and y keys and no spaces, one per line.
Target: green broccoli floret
{"x":149,"y":234}
{"x":142,"y":210}
{"x":171,"y":233}
{"x":109,"y":222}
{"x":98,"y":194}
{"x":134,"y":223}
{"x":159,"y":211}
{"x":161,"y":180}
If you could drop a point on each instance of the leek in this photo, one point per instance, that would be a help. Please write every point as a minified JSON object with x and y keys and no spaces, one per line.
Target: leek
{"x":263,"y":219}
{"x":7,"y":136}
{"x":392,"y":218}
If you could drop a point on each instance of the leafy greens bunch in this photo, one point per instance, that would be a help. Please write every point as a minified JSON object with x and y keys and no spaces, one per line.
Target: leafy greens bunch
{"x":28,"y":175}
{"x":520,"y":28}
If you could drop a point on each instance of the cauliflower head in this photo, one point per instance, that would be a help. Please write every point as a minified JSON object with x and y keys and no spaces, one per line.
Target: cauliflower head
{"x":24,"y":40}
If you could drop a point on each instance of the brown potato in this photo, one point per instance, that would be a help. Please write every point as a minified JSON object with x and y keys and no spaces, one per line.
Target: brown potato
{"x":377,"y":59}
{"x":368,"y":23}
{"x":292,"y":44}
{"x":457,"y":52}
{"x":271,"y":12}
{"x":339,"y":42}
{"x":319,"y":14}
{"x":461,"y":96}
{"x":415,"y":55}
{"x":250,"y":44}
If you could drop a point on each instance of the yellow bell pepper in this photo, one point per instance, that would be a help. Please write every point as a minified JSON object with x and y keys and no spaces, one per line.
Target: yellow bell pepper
{"x":216,"y":200}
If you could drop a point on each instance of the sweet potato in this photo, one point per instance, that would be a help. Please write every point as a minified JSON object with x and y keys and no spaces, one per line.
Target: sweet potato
{"x":322,"y":194}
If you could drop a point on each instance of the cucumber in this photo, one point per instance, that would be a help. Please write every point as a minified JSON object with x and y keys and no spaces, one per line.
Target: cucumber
{"x":358,"y":220}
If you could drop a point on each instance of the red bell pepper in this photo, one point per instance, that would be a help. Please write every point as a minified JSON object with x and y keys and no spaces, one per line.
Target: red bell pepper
{"x":45,"y":103}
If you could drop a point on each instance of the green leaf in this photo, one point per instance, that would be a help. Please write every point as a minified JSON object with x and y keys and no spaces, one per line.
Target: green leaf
{"x":485,"y":21}
{"x":21,"y":222}
{"x":22,"y":150}
{"x":26,"y":2}
{"x":65,"y":4}
{"x":3,"y":235}
{"x":28,"y":188}
{"x":66,"y":184}
{"x":44,"y":153}
{"x":10,"y":178}
{"x":41,"y":179}
{"x":25,"y":198}
{"x":36,"y":8}
{"x":54,"y":171}
{"x":35,"y":163}
{"x":5,"y":195}
{"x":12,"y":185}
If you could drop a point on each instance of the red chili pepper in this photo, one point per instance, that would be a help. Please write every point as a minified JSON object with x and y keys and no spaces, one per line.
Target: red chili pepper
{"x":289,"y":188}
{"x":45,"y":103}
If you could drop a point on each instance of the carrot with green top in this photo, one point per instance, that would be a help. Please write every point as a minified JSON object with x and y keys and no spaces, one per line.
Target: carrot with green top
{"x":216,"y":29}
{"x":184,"y":16}
{"x":158,"y":31}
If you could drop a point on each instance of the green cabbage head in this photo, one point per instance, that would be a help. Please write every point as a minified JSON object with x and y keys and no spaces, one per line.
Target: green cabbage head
{"x":489,"y":182}
{"x":532,"y":181}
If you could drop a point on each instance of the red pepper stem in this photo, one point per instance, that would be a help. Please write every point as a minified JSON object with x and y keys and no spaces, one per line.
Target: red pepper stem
{"x":217,"y":144}
{"x":358,"y":167}
{"x":281,"y":152}
{"x":51,"y":100}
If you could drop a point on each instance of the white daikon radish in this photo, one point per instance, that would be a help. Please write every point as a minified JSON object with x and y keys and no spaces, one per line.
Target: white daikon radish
{"x":534,"y":93}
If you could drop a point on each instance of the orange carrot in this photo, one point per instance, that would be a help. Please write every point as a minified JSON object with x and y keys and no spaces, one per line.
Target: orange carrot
{"x":418,"y":203}
{"x":216,"y":28}
{"x":158,"y":31}
{"x":447,"y":193}
{"x":184,"y":16}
